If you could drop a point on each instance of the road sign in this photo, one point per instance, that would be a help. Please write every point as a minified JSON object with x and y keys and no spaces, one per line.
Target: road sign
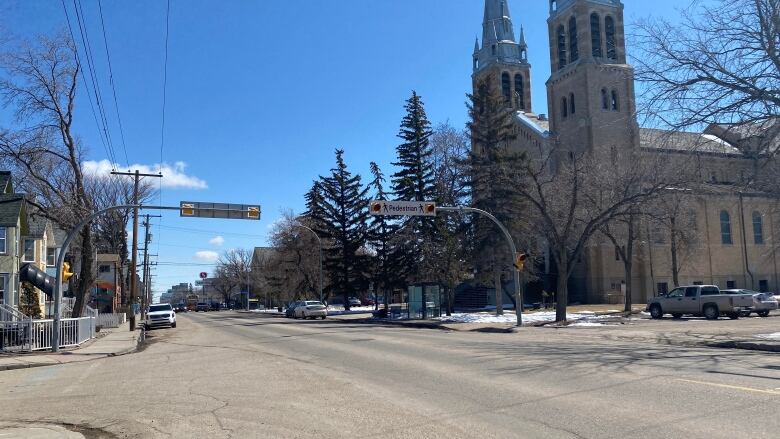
{"x":402,"y":208}
{"x":196,"y":209}
{"x":204,"y":275}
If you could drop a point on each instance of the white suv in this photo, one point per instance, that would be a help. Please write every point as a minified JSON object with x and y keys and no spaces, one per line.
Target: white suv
{"x":160,"y":315}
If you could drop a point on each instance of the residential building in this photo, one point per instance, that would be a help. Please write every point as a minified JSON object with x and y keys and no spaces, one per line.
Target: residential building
{"x":106,"y":296}
{"x":13,"y":224}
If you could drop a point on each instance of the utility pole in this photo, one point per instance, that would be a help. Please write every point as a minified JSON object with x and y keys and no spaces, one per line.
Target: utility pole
{"x":147,"y":241}
{"x":134,"y":252}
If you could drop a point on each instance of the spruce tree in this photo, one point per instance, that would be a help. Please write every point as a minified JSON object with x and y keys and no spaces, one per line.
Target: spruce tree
{"x":314,"y":211}
{"x":30,"y":301}
{"x":493,"y":168}
{"x":381,"y":236}
{"x":344,"y":225}
{"x":414,"y":181}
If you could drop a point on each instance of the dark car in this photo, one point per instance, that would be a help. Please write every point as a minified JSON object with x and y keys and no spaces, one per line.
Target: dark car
{"x":290,"y":310}
{"x":216,"y":307}
{"x":367,"y":302}
{"x":202,"y":306}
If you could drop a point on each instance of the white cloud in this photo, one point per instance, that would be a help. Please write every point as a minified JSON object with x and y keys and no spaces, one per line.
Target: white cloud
{"x":206,"y":256}
{"x":217,"y":241}
{"x":174,"y":177}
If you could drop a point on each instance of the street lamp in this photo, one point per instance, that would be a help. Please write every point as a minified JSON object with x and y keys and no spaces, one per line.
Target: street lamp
{"x":319,"y":241}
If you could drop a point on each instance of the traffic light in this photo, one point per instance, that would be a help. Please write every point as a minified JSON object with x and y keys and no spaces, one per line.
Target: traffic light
{"x":187,"y":209}
{"x":66,"y":273}
{"x":253,"y":212}
{"x":520,"y":259}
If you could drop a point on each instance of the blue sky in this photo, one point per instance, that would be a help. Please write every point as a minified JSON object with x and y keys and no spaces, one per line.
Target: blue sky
{"x":261,"y":92}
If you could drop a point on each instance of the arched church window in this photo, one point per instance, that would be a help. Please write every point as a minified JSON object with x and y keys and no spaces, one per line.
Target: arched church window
{"x":609,"y":31}
{"x":758,"y":228}
{"x":604,"y":99}
{"x":564,"y":108}
{"x":561,"y":47}
{"x":595,"y":34}
{"x":506,"y":86}
{"x":520,"y":91}
{"x":574,"y":51}
{"x":725,"y":228}
{"x":553,"y":5}
{"x":572,"y":107}
{"x":615,"y":103}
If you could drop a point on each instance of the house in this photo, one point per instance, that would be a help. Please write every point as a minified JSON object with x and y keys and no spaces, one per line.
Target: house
{"x":106,"y":296}
{"x":35,"y":244}
{"x":13,"y":224}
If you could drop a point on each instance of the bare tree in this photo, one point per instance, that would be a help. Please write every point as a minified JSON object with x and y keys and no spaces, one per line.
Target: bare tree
{"x":42,"y":149}
{"x":623,"y":232}
{"x":234,"y":268}
{"x":674,"y":216}
{"x":294,"y":266}
{"x":574,"y":195}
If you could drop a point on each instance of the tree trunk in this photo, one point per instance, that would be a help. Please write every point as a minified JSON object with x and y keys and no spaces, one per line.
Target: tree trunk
{"x":86,"y":276}
{"x":675,"y":264}
{"x":499,"y":292}
{"x":628,"y":262}
{"x":562,"y":293}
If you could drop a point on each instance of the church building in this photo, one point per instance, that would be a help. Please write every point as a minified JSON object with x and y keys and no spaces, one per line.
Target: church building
{"x":591,"y":106}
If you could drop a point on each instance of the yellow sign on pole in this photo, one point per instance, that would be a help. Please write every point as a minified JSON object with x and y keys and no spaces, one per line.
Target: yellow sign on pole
{"x":253,"y":212}
{"x":187,"y":209}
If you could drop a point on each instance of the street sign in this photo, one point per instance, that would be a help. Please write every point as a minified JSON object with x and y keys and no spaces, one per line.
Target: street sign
{"x":196,"y":209}
{"x":204,"y":275}
{"x":402,"y":208}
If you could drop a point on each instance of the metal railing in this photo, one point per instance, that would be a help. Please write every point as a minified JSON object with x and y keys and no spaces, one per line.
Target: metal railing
{"x":111,"y":320}
{"x":33,"y":335}
{"x":11,"y":314}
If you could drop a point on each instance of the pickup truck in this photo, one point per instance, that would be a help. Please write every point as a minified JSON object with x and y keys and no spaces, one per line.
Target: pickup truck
{"x":700,"y":300}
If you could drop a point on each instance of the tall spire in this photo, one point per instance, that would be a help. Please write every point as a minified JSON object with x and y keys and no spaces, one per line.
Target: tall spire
{"x":498,"y":37}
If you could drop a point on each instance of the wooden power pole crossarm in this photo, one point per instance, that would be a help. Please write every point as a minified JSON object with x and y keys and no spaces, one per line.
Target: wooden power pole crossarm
{"x":134,"y":252}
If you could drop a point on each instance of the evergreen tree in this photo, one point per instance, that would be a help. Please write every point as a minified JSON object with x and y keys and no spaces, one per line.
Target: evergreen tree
{"x":493,"y":165}
{"x":314,"y":211}
{"x":381,"y":237}
{"x":414,"y":181}
{"x":344,"y":224}
{"x":30,"y":301}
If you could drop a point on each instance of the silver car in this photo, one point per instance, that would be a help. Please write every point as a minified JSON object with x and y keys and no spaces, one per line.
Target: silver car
{"x":763,"y":303}
{"x":310,"y":309}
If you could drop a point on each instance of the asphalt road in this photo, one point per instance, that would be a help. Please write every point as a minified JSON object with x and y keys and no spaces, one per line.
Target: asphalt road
{"x":221,"y":375}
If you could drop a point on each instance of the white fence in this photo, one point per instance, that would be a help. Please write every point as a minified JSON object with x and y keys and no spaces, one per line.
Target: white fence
{"x":111,"y":320}
{"x":33,"y":335}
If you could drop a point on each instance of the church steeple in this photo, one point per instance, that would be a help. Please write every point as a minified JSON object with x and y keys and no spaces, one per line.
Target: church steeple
{"x":502,"y":56}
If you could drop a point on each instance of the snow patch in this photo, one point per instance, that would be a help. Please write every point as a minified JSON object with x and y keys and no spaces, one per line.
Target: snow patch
{"x":586,"y":324}
{"x":774,"y":336}
{"x":537,"y":317}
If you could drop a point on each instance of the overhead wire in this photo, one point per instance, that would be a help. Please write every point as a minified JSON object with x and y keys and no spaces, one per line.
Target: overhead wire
{"x":164,"y":103}
{"x":111,"y":81}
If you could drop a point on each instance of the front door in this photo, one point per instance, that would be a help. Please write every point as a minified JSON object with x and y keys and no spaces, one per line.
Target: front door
{"x":673,"y":302}
{"x":691,"y":300}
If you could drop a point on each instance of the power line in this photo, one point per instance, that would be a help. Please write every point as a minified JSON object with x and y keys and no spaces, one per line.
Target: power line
{"x":84,"y":80}
{"x":93,"y":75}
{"x":111,"y":80}
{"x":211,"y":232}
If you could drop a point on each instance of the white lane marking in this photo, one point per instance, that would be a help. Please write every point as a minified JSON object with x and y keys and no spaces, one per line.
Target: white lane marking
{"x":728,"y":386}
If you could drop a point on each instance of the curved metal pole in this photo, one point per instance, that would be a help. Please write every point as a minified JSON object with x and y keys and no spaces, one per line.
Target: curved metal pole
{"x":55,"y":336}
{"x":512,"y":248}
{"x":319,"y":241}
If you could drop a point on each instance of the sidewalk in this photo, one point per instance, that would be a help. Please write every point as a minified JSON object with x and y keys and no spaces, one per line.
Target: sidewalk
{"x":116,"y":341}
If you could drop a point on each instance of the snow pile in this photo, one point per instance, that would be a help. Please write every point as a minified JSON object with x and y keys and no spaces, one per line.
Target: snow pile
{"x":269,"y":310}
{"x":336,"y":310}
{"x":775,"y":336}
{"x":528,"y":318}
{"x":587,"y":324}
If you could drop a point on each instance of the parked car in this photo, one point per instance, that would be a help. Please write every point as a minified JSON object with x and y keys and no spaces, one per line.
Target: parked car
{"x":367,"y":302}
{"x":160,"y":315}
{"x":762,"y":302}
{"x":202,"y":306}
{"x":310,"y":309}
{"x":216,"y":307}
{"x":354,"y":301}
{"x":290,"y":310}
{"x":700,"y":300}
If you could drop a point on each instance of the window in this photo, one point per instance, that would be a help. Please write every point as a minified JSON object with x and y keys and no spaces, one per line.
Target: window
{"x":710,"y":291}
{"x":3,"y":286}
{"x":50,"y":257}
{"x":691,"y":291}
{"x":572,"y":107}
{"x":763,"y":286}
{"x":617,"y":253}
{"x":506,"y":86}
{"x":609,"y":31}
{"x":520,"y":91}
{"x":725,"y":228}
{"x":663,"y":288}
{"x":553,"y":5}
{"x":3,"y":239}
{"x":615,"y":103}
{"x":574,"y":51}
{"x":677,"y":292}
{"x":595,"y":35}
{"x":604,"y":99}
{"x":561,"y":47}
{"x":564,"y":108}
{"x":758,"y":228}
{"x":105,"y":269}
{"x":28,"y":250}
{"x":730,"y":284}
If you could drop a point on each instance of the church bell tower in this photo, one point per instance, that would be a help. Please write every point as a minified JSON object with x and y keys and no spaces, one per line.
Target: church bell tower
{"x":502,"y":57}
{"x":590,"y":92}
